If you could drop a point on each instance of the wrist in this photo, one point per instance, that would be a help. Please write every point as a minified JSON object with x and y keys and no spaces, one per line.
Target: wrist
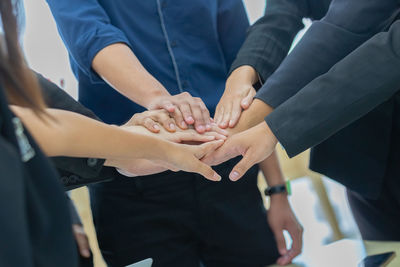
{"x":245,"y":74}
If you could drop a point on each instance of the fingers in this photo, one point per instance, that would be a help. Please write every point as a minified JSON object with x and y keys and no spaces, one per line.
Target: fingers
{"x":206,"y":115}
{"x":281,"y":243}
{"x":168,"y":106}
{"x":235,"y":114}
{"x":207,"y":148}
{"x":81,"y":240}
{"x":167,"y":122}
{"x":151,"y":125}
{"x":242,"y":167}
{"x":199,"y":122}
{"x":191,"y":135}
{"x":217,"y":129}
{"x":296,"y":232}
{"x":177,"y":115}
{"x":207,"y":171}
{"x":246,"y":102}
{"x":219,"y":111}
{"x":216,"y":135}
{"x":186,"y":113}
{"x":226,"y":116}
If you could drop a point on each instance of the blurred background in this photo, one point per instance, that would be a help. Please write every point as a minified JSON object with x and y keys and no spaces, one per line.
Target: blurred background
{"x":319,"y":203}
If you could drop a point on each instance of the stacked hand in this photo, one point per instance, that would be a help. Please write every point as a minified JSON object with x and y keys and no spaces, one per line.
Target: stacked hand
{"x":185,"y":109}
{"x":238,"y":96}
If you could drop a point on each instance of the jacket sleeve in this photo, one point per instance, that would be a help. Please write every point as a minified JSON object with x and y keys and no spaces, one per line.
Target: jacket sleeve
{"x":346,"y":26}
{"x":85,"y":29}
{"x":360,"y":82}
{"x":270,"y":38}
{"x":73,"y":171}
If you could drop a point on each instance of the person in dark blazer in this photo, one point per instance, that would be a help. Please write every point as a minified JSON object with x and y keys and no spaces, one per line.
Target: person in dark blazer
{"x":350,"y":113}
{"x":266,"y":46}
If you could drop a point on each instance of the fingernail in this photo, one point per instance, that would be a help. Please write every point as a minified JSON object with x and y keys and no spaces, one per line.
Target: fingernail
{"x":190,"y":119}
{"x":155,"y":127}
{"x":234,"y":176}
{"x":231,"y":123}
{"x":200,"y":128}
{"x":208,"y":127}
{"x":217,"y":177}
{"x":172,"y":126}
{"x":183,"y":124}
{"x":86,"y":253}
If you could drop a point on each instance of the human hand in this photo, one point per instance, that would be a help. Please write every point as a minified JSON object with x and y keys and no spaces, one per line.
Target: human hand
{"x":185,"y":109}
{"x":254,"y":144}
{"x":187,"y":158}
{"x":280,"y":218}
{"x":82,"y":240}
{"x":181,"y":136}
{"x":238,"y":96}
{"x":152,"y":119}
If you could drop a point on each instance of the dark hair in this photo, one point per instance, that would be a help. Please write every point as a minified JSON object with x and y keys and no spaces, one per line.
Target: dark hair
{"x":21,"y":85}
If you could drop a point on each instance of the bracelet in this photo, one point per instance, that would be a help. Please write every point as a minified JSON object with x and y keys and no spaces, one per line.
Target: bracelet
{"x":279,"y":189}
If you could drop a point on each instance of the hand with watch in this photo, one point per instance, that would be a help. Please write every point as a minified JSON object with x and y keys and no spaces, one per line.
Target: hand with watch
{"x":280,"y":215}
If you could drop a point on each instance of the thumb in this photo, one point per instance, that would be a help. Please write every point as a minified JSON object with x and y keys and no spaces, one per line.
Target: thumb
{"x":207,"y":172}
{"x":242,"y":167}
{"x":246,"y":102}
{"x":280,"y":241}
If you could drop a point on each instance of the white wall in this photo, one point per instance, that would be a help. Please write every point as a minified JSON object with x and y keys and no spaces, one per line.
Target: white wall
{"x":45,"y":51}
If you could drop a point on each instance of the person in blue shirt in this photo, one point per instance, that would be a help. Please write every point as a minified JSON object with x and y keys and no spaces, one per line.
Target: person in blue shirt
{"x":129,"y":56}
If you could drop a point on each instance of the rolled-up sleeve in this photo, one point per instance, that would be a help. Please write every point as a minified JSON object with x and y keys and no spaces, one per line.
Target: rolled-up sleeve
{"x":85,"y":29}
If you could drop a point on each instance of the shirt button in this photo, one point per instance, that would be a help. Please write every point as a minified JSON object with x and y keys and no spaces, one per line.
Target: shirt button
{"x":73,"y":179}
{"x":92,"y":162}
{"x":64,"y":180}
{"x":174,"y":44}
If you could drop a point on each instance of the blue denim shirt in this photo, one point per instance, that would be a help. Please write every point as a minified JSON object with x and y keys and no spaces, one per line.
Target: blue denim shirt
{"x":186,"y":45}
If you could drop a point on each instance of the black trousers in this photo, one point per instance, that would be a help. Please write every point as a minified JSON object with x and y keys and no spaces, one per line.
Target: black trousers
{"x":181,"y":219}
{"x":379,"y":219}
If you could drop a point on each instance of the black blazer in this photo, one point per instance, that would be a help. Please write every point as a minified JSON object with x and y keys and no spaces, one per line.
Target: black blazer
{"x":362,"y":88}
{"x":35,"y":226}
{"x":353,"y":156}
{"x":74,"y":172}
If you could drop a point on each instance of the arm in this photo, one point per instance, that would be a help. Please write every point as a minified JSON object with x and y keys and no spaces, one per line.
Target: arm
{"x":103,"y":51}
{"x":323,"y":107}
{"x":57,"y":98}
{"x":70,"y":134}
{"x":280,"y":214}
{"x":267,"y":44}
{"x":270,"y":38}
{"x":332,"y":38}
{"x":336,"y":99}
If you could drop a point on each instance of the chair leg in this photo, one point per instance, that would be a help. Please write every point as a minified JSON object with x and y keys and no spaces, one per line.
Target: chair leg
{"x":326,"y":205}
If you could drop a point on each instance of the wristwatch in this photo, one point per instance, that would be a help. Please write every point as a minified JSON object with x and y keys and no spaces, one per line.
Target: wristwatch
{"x":279,"y":189}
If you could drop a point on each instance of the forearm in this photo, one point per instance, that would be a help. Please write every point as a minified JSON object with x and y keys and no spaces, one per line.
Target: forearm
{"x":252,"y":116}
{"x":120,"y":68}
{"x":74,"y":135}
{"x":271,"y":170}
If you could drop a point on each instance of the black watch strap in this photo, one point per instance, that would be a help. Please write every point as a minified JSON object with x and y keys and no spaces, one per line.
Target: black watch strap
{"x":277,"y":189}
